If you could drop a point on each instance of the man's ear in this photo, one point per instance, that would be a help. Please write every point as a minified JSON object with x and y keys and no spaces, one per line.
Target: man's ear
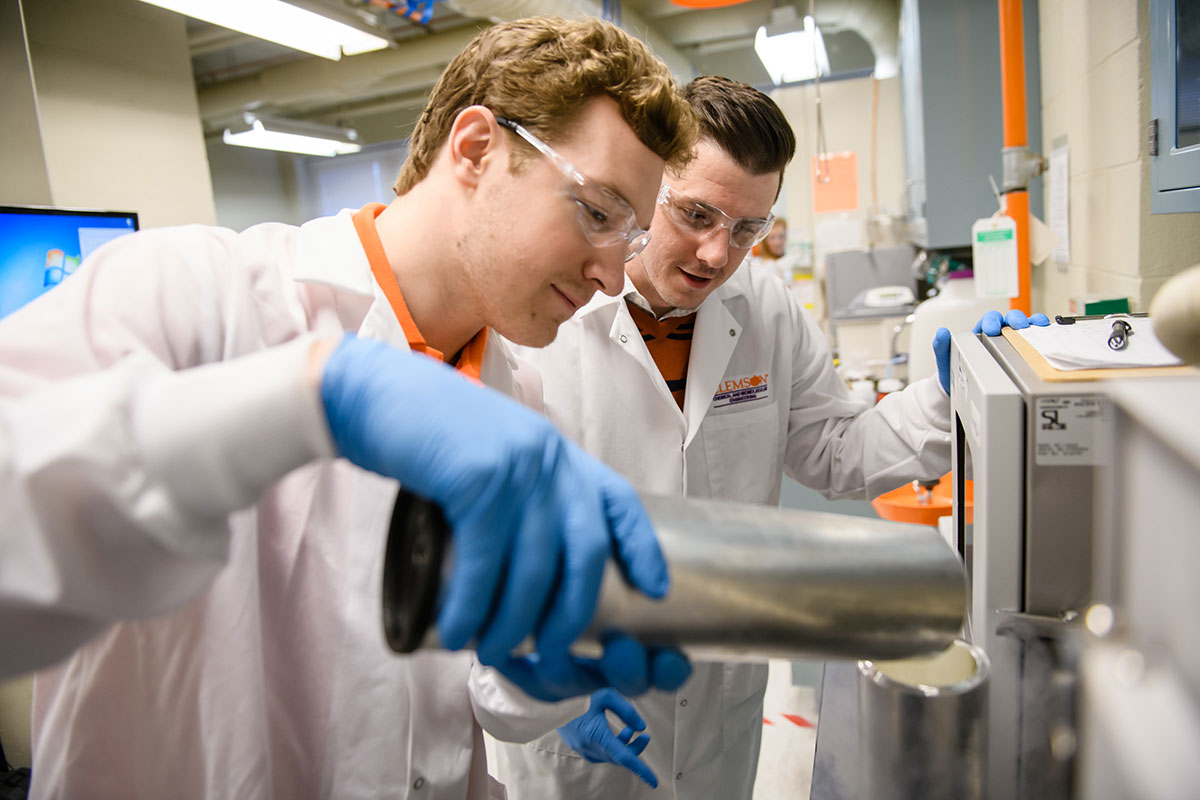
{"x":474,"y":142}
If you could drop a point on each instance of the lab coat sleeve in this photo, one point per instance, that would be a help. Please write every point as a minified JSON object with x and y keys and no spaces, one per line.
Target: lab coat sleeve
{"x":120,"y":461}
{"x":510,"y":715}
{"x":845,"y":449}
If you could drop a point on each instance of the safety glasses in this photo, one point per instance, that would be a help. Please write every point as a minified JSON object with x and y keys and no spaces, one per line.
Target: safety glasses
{"x":702,"y":220}
{"x":604,"y":216}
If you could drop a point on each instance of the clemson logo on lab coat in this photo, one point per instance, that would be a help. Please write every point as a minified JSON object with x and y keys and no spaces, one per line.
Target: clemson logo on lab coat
{"x":733,"y":391}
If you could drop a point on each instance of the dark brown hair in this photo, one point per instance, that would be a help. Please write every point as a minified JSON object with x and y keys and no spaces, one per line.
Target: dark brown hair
{"x":743,"y":122}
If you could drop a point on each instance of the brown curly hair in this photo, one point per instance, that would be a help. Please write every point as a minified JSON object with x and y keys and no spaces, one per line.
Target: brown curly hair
{"x":541,"y":71}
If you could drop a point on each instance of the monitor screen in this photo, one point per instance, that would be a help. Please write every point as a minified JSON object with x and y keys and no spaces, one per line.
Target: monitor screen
{"x":40,"y":247}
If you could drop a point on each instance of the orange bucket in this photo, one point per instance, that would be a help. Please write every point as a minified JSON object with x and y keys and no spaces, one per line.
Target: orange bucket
{"x":907,"y":504}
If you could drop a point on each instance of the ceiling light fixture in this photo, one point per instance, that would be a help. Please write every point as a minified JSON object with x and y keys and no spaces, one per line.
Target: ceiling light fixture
{"x":283,"y":23}
{"x":791,"y":54}
{"x":292,"y":136}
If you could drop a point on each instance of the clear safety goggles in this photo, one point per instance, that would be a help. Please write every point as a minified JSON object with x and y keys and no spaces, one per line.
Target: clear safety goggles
{"x":702,"y":220}
{"x":605,"y":217}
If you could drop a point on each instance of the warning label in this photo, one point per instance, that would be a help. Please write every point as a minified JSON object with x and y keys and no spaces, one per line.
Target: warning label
{"x":1070,"y":431}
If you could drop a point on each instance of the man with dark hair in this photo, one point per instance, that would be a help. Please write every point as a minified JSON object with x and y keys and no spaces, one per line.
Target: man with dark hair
{"x":704,"y":380}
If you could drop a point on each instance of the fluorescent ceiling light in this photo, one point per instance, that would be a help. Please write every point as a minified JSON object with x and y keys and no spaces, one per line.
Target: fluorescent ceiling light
{"x":282,"y":23}
{"x":795,"y":55}
{"x":293,"y":136}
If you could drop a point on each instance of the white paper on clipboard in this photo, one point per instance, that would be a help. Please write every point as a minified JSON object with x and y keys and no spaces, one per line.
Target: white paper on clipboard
{"x":1084,"y":345}
{"x":994,"y":253}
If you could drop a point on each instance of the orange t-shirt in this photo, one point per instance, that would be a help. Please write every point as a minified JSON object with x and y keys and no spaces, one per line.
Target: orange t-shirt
{"x":470,"y":360}
{"x":670,"y":344}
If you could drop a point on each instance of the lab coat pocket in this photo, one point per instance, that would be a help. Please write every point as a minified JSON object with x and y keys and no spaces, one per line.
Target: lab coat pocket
{"x":742,"y":688}
{"x":742,"y":451}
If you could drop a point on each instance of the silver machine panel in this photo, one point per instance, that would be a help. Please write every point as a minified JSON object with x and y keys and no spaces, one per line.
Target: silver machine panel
{"x":1139,"y":728}
{"x":1040,"y":454}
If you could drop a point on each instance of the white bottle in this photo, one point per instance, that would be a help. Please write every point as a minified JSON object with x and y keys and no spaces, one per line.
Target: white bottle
{"x":955,"y":307}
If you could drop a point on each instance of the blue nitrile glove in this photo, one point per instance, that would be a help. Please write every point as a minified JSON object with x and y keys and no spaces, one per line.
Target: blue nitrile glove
{"x":941,"y":354}
{"x":591,"y":737}
{"x":534,"y":518}
{"x":626,"y":664}
{"x":992,"y":321}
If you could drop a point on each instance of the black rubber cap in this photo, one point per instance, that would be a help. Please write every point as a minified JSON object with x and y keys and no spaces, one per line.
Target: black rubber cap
{"x":412,"y":570}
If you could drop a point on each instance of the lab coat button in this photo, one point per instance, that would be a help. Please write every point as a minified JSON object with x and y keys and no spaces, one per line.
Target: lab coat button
{"x":624,"y":338}
{"x":679,"y":776}
{"x":683,"y":703}
{"x":732,"y":332}
{"x":418,"y":783}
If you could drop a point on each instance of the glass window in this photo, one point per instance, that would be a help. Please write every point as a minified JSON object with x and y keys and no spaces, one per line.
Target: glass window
{"x":1187,"y":74}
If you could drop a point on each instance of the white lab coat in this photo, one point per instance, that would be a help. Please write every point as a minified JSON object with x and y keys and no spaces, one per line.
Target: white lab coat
{"x":273,"y":681}
{"x":762,"y":399}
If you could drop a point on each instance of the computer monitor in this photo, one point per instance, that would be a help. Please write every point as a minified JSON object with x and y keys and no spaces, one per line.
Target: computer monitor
{"x":39,"y":247}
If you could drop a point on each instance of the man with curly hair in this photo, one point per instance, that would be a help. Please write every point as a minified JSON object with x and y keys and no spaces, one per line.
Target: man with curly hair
{"x":172,"y":421}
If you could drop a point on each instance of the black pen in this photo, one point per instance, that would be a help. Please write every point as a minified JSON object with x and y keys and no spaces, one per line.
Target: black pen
{"x":1061,"y":320}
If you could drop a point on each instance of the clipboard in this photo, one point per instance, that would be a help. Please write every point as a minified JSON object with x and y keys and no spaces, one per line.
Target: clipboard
{"x":1043,"y":370}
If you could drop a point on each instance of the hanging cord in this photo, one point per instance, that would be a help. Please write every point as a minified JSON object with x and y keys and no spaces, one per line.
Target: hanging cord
{"x":822,"y":150}
{"x":874,"y":137}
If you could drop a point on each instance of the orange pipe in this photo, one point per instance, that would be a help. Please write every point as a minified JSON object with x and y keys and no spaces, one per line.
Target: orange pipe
{"x":1016,"y":134}
{"x":1018,"y":209}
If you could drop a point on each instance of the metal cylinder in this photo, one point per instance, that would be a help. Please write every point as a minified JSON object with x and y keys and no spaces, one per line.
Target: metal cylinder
{"x":755,"y":582}
{"x":922,"y":724}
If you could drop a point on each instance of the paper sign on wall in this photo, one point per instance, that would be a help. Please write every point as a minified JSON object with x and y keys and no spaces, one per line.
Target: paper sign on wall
{"x":1059,"y":185}
{"x":994,"y":252}
{"x":835,"y":182}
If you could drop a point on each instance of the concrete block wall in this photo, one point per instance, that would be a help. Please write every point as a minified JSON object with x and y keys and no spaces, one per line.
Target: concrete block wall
{"x":117,"y":111}
{"x":1095,"y":89}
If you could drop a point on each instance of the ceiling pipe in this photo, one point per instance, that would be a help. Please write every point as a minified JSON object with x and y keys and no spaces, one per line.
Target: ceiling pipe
{"x":876,"y":21}
{"x":414,"y":63}
{"x":505,"y":10}
{"x":316,"y":83}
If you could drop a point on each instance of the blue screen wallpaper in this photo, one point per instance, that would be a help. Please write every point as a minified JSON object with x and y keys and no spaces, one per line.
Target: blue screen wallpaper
{"x":39,"y":250}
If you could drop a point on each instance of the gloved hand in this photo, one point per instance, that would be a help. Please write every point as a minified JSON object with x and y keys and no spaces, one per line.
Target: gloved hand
{"x":626,"y":664}
{"x":990,"y":323}
{"x":533,"y":516}
{"x":591,"y":737}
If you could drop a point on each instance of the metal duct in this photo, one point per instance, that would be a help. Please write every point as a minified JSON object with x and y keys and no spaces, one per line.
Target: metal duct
{"x":504,"y":10}
{"x":877,"y":21}
{"x":414,"y":64}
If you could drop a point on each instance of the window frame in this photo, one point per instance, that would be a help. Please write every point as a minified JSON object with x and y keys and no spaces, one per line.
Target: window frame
{"x":1174,"y":172}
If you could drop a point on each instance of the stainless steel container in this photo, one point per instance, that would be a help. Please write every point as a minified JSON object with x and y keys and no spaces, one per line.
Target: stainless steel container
{"x":757,"y":582}
{"x":922,"y":724}
{"x":753,"y":582}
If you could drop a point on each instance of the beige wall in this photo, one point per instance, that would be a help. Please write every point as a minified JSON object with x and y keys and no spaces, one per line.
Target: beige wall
{"x":252,"y":186}
{"x":846,"y":108}
{"x":117,"y":106}
{"x":22,"y":161}
{"x":14,"y":720}
{"x":117,"y":126}
{"x":1095,"y":89}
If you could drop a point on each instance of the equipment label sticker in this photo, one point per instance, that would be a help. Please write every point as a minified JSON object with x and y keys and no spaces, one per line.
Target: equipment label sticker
{"x":1070,"y":431}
